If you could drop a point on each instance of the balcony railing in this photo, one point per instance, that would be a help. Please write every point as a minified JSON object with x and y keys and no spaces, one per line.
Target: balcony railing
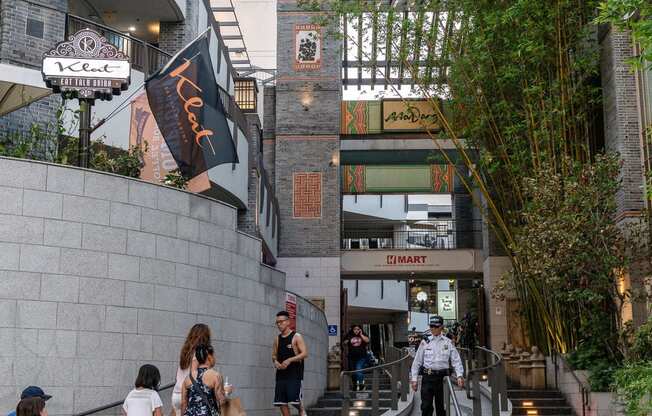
{"x":143,"y":56}
{"x":427,"y":235}
{"x":148,"y":59}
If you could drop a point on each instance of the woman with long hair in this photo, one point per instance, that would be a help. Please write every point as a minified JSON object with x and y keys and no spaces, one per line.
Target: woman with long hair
{"x":199,"y":334}
{"x":31,"y":406}
{"x":357,"y":341}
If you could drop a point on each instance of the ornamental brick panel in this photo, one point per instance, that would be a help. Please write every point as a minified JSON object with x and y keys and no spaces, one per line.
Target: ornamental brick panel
{"x":307,"y":195}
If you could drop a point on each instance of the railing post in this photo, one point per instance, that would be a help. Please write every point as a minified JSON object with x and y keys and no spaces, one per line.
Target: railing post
{"x":394,"y":385}
{"x":405,"y":379}
{"x":493,"y":383}
{"x":447,"y":398}
{"x":345,"y":380}
{"x":477,"y":398}
{"x":502,"y":377}
{"x":375,"y":394}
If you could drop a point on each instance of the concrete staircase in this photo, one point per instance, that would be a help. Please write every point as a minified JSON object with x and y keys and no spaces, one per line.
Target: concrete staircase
{"x":538,"y":402}
{"x":360,"y":402}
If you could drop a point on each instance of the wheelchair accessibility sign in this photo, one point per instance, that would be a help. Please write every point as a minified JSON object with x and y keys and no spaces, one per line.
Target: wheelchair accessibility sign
{"x":332,"y":330}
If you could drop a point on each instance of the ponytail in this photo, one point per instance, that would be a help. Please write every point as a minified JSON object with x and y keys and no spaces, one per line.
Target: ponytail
{"x":202,"y":352}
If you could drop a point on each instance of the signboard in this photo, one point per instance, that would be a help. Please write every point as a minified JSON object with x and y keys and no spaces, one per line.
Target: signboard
{"x":392,"y":261}
{"x":446,"y":305}
{"x":332,"y":330}
{"x":157,"y":159}
{"x":291,"y":309}
{"x":307,"y":47}
{"x":408,"y":115}
{"x":86,"y":66}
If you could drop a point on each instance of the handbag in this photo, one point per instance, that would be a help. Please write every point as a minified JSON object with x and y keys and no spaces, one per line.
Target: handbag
{"x":215,"y":411}
{"x":233,"y":407}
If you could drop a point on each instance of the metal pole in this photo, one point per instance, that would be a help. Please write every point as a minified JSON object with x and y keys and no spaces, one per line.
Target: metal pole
{"x":375,"y":394}
{"x":85,"y":105}
{"x":477,"y":397}
{"x":346,"y":393}
{"x":405,"y":379}
{"x":394,"y":386}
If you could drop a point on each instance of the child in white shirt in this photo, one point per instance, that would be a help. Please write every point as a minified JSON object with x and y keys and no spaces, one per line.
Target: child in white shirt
{"x":144,"y":400}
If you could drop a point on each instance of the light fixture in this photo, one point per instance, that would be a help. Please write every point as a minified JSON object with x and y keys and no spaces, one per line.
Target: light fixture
{"x":359,"y":403}
{"x":132,"y":28}
{"x":528,"y":404}
{"x":422,"y":296}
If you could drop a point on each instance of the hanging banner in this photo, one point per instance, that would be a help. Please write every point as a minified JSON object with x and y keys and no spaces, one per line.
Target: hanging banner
{"x":157,"y":159}
{"x":291,"y":309}
{"x":184,"y":98}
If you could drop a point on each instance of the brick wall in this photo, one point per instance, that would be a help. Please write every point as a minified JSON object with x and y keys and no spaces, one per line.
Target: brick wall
{"x":621,"y":117}
{"x":101,"y":274}
{"x":247,"y":218}
{"x":269,"y":132}
{"x":19,"y":48}
{"x":175,"y":35}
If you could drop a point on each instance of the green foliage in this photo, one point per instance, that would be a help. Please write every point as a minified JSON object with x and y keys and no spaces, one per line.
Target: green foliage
{"x":126,"y":163}
{"x":176,"y":179}
{"x":633,"y":15}
{"x":641,"y":348}
{"x":633,"y":383}
{"x":591,"y":357}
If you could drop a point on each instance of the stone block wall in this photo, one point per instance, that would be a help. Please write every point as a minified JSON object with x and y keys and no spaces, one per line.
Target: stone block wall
{"x":100,"y":274}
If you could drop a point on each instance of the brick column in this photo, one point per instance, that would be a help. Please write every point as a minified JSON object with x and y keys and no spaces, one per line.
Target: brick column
{"x":308,"y":94}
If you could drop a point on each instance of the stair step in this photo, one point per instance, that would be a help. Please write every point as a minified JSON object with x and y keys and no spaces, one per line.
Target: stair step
{"x":533,"y":394}
{"x":337,"y":411}
{"x":556,"y":410}
{"x":338,"y":403}
{"x":543,"y":402}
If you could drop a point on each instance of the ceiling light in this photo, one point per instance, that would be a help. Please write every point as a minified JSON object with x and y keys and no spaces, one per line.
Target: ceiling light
{"x":132,"y":28}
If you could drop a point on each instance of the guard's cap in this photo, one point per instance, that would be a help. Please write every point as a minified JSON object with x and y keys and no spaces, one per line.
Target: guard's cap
{"x":436,"y":321}
{"x":34,"y":391}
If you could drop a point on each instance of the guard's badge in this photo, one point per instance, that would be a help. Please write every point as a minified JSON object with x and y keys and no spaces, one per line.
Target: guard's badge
{"x":445,"y":347}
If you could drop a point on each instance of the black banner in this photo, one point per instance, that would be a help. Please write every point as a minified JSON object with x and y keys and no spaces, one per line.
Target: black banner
{"x":184,"y":99}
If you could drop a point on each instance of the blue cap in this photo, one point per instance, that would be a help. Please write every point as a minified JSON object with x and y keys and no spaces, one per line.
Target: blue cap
{"x":34,"y":391}
{"x":436,"y":321}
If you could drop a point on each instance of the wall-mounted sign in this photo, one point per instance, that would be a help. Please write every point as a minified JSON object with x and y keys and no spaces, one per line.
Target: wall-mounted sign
{"x":307,"y":47}
{"x":87,"y":66}
{"x":408,"y":115}
{"x":399,"y":261}
{"x":332,"y":330}
{"x":291,"y":309}
{"x":360,"y":179}
{"x":446,"y":305}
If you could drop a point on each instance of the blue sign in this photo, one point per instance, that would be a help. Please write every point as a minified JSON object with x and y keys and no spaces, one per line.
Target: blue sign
{"x":332,"y":330}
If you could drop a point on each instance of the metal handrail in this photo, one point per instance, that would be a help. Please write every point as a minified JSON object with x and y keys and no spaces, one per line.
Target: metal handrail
{"x":585,"y":390}
{"x":398,"y":372}
{"x":115,"y":404}
{"x":496,"y":377}
{"x":451,"y":392}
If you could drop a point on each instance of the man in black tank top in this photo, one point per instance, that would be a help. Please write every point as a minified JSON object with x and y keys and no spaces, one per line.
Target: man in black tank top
{"x":288,"y":353}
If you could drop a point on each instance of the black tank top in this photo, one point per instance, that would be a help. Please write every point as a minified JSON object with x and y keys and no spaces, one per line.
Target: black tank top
{"x":285,"y":351}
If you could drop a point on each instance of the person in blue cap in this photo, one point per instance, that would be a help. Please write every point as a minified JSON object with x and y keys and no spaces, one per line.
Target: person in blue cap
{"x":433,"y":360}
{"x":31,"y":391}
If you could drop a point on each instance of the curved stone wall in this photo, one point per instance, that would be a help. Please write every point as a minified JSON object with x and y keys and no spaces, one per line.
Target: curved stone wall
{"x":100,"y":274}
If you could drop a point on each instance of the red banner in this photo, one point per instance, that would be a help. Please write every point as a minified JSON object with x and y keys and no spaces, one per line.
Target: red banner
{"x":291,"y":309}
{"x":157,"y":159}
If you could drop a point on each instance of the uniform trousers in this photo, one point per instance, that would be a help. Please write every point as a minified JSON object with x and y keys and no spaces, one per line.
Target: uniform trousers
{"x":432,"y":386}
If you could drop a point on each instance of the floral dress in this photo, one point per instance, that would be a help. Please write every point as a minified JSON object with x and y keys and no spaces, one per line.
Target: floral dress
{"x":196,"y":404}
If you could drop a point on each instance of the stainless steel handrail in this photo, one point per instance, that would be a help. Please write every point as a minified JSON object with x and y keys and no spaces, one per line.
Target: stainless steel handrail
{"x":114,"y":404}
{"x":451,"y":393}
{"x":398,"y":372}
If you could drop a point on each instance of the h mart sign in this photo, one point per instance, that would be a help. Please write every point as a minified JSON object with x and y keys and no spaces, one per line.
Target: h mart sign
{"x":393,"y":259}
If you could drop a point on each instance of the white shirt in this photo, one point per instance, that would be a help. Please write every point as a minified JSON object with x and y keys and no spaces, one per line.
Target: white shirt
{"x":437,"y":354}
{"x":141,"y":402}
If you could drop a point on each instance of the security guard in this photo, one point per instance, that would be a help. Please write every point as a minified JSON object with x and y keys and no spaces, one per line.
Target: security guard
{"x":432,"y":362}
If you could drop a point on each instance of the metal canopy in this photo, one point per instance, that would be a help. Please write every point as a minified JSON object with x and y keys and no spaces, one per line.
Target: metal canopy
{"x":397,"y":46}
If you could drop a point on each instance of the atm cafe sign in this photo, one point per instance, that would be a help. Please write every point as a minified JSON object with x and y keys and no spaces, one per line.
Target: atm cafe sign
{"x":86,"y":66}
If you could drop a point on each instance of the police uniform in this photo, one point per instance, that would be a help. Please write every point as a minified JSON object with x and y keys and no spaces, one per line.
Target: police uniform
{"x":432,"y":361}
